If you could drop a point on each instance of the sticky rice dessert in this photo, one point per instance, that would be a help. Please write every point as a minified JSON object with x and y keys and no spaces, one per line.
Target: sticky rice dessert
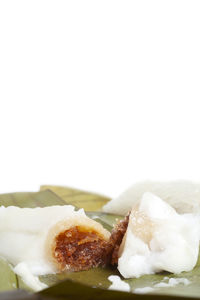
{"x":156,"y":238}
{"x":184,"y":196}
{"x":52,"y":239}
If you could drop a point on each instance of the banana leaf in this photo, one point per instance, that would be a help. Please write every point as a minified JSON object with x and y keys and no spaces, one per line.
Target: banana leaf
{"x":81,"y":199}
{"x":92,"y":284}
{"x":8,"y":279}
{"x":38,"y":199}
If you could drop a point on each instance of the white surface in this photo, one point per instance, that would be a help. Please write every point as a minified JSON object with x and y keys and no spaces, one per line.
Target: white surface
{"x":98,"y":94}
{"x":158,"y":239}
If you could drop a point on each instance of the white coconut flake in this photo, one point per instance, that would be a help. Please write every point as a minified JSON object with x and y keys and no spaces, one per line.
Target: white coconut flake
{"x":143,"y":290}
{"x":176,"y":281}
{"x":118,"y":284}
{"x":161,"y":284}
{"x":173,"y":282}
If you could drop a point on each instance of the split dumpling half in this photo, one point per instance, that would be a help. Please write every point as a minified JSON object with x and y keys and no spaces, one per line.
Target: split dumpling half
{"x":39,"y":241}
{"x":158,"y":239}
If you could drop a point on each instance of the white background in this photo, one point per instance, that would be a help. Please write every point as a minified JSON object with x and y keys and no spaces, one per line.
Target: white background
{"x":98,"y":94}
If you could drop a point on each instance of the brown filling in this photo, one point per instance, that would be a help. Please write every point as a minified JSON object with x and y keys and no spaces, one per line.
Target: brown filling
{"x":78,"y":250}
{"x":116,"y":238}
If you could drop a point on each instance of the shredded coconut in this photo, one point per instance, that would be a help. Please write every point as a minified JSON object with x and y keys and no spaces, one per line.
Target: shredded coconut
{"x":172,"y":282}
{"x":118,"y":284}
{"x":143,"y":290}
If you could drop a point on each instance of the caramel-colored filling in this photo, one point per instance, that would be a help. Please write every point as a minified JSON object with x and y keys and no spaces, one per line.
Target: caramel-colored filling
{"x":77,"y":249}
{"x":116,"y":238}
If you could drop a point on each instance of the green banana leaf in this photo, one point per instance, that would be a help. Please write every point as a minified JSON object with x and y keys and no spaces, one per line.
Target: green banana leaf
{"x":8,"y":279}
{"x":38,"y":199}
{"x":81,"y":199}
{"x":92,"y":284}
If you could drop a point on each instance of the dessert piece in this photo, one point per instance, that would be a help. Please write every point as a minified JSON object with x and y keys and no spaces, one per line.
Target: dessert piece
{"x":52,"y":239}
{"x":157,"y":239}
{"x":184,"y":196}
